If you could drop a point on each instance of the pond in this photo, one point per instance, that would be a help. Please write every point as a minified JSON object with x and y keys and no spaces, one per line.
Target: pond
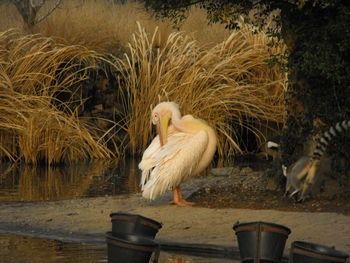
{"x":28,"y":249}
{"x":39,"y":183}
{"x":30,"y":183}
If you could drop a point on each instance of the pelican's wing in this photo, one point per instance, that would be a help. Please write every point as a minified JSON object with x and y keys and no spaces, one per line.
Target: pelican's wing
{"x":149,"y":157}
{"x":167,"y":166}
{"x":148,"y":160}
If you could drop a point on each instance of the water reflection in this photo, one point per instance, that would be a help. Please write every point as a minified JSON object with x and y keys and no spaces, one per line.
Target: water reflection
{"x":174,"y":258}
{"x":14,"y":249}
{"x":27,"y":249}
{"x":98,"y":178}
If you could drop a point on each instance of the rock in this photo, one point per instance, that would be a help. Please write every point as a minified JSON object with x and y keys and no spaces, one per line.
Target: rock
{"x":272,"y":184}
{"x":224,"y":171}
{"x":246,"y":170}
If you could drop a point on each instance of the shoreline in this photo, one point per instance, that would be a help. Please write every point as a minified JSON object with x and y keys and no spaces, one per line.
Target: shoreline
{"x":88,"y":219}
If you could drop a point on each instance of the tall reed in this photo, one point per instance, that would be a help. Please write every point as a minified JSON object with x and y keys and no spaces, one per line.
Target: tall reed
{"x":229,"y":85}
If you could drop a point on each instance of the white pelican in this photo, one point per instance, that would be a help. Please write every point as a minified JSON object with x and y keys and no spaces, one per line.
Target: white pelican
{"x":183,"y":147}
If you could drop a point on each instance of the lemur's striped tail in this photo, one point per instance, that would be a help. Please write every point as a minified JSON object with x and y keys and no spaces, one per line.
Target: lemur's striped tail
{"x":302,"y":174}
{"x":329,"y":135}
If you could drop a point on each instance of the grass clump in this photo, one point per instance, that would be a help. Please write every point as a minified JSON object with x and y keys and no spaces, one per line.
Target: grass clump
{"x":34,"y":125}
{"x":229,"y":85}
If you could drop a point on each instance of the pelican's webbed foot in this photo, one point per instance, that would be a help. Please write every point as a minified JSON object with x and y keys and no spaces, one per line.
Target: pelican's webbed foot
{"x":181,"y":202}
{"x":178,"y":200}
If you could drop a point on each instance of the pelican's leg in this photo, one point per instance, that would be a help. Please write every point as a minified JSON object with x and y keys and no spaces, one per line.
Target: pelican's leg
{"x":178,"y":200}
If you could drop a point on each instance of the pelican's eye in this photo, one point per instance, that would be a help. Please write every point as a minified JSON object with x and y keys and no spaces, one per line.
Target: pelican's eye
{"x":155,"y":118}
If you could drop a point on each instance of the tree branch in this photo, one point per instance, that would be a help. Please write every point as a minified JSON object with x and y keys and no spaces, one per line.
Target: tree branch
{"x":36,"y":8}
{"x":168,"y":5}
{"x":58,"y":3}
{"x":190,"y":4}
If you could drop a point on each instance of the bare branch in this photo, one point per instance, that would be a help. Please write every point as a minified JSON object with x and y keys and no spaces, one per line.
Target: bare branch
{"x":189,"y":4}
{"x":36,"y":6}
{"x":58,"y":3}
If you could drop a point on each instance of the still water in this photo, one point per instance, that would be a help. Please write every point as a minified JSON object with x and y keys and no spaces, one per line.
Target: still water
{"x":26,"y":249}
{"x":30,"y":183}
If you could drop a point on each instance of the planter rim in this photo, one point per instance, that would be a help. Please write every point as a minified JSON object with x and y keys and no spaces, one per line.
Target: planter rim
{"x":319,"y":249}
{"x":131,"y":239}
{"x":114,"y":216}
{"x":237,"y":225}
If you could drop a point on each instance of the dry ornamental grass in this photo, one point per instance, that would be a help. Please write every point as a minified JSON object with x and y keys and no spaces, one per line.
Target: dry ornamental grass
{"x":34,"y":125}
{"x":220,"y":77}
{"x":229,"y":85}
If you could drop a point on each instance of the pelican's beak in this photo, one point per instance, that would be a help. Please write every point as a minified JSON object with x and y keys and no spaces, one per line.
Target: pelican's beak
{"x":162,"y":129}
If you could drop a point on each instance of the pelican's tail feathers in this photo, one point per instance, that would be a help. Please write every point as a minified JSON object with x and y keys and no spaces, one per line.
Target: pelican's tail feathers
{"x":151,"y":190}
{"x":144,"y":178}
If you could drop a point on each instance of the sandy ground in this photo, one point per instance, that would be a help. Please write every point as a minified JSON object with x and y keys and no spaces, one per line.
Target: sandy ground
{"x":89,"y":219}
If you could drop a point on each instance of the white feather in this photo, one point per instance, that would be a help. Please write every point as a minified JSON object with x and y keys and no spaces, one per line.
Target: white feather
{"x":168,"y":166}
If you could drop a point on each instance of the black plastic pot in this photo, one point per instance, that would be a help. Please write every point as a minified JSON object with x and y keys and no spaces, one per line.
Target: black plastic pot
{"x":304,"y":252}
{"x":130,"y":249}
{"x":133,"y":224}
{"x":261,"y":241}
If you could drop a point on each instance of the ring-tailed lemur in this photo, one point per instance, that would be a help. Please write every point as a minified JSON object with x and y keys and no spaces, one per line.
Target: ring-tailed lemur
{"x":301,"y":174}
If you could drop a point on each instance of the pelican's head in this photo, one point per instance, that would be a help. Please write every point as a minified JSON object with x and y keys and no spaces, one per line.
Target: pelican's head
{"x":161,"y":115}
